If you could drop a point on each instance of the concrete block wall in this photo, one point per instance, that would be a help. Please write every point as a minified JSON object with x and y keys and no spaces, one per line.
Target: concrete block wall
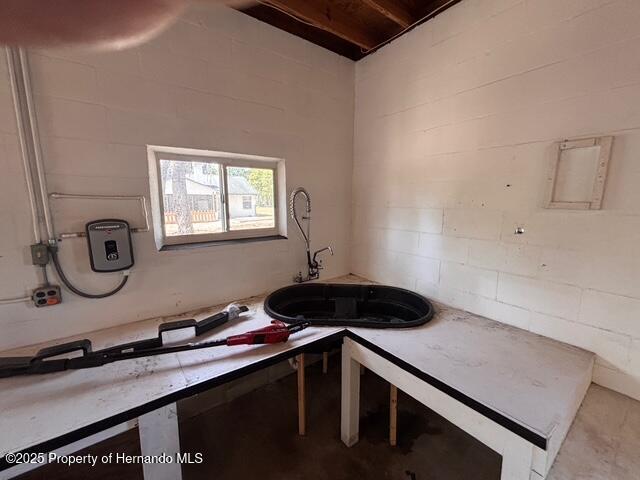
{"x":454,"y":129}
{"x":216,"y":80}
{"x":454,"y":126}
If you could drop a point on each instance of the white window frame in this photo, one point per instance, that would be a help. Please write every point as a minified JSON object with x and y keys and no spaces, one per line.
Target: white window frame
{"x":225,"y":160}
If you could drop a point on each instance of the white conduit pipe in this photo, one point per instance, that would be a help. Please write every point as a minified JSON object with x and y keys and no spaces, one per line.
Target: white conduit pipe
{"x":139,"y":198}
{"x":24,"y":152}
{"x":24,"y":149}
{"x":9,"y":301}
{"x":37,"y":151}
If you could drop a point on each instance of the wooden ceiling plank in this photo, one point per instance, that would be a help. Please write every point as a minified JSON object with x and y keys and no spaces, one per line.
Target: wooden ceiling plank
{"x":392,"y":10}
{"x":322,"y":14}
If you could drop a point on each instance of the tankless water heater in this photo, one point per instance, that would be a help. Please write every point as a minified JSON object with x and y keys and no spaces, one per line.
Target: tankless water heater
{"x":110,"y":248}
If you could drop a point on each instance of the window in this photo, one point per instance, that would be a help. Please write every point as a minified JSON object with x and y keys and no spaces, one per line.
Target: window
{"x":203,"y":196}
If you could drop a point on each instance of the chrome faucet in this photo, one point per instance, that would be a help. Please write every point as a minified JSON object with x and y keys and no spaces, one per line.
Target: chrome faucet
{"x":313,"y":263}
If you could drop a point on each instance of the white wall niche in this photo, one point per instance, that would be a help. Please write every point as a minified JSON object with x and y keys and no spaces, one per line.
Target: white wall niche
{"x":578,"y":174}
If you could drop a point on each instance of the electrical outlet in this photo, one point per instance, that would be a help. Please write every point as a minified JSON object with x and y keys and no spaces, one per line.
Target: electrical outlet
{"x":47,"y":296}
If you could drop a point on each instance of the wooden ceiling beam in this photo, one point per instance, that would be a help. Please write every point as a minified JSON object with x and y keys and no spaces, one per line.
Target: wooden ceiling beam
{"x":324,"y":15}
{"x":392,"y":10}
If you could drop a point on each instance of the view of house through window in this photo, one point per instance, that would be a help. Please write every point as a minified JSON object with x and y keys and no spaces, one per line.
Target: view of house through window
{"x":204,"y":197}
{"x":251,"y":202}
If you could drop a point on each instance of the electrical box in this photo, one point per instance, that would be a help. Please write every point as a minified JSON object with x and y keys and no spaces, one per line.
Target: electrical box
{"x":40,"y":254}
{"x":110,"y":248}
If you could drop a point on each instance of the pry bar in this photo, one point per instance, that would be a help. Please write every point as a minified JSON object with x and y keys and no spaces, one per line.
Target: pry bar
{"x":277,"y":332}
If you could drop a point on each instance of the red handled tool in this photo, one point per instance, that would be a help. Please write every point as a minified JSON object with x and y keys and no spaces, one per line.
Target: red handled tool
{"x":277,"y":332}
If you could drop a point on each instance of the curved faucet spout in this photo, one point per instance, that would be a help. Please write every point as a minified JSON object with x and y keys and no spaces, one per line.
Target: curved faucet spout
{"x":314,"y":265}
{"x":294,"y":215}
{"x":315,"y":261}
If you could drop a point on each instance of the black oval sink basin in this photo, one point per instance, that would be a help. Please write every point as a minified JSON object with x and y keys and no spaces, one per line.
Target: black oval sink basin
{"x":373,"y":306}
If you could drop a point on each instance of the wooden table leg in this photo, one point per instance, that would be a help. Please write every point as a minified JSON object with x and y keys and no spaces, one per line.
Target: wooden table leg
{"x":302,"y":412}
{"x":393,"y":416}
{"x":325,"y":362}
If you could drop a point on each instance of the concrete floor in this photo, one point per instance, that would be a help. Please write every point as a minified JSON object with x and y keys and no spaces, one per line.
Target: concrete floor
{"x":255,"y":436}
{"x":604,"y":440}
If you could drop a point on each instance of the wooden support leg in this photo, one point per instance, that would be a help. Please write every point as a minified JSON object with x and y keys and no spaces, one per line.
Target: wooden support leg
{"x":350,"y":402}
{"x":302,"y":411}
{"x":159,"y":435}
{"x":393,"y":416}
{"x":325,"y":362}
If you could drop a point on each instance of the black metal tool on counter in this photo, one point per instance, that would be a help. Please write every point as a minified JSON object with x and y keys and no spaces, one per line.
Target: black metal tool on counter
{"x":43,"y":361}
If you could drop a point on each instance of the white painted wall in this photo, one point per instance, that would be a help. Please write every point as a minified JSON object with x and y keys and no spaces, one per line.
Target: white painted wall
{"x":454,"y":130}
{"x":217,"y":80}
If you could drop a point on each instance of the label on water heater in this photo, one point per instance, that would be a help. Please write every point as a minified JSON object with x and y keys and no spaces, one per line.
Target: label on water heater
{"x":110,"y":248}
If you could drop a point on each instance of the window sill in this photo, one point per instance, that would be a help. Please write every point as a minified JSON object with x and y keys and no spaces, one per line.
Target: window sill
{"x":215,"y":243}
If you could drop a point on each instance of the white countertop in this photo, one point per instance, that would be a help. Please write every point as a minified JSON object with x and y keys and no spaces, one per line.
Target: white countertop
{"x":525,"y":377}
{"x":528,"y":378}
